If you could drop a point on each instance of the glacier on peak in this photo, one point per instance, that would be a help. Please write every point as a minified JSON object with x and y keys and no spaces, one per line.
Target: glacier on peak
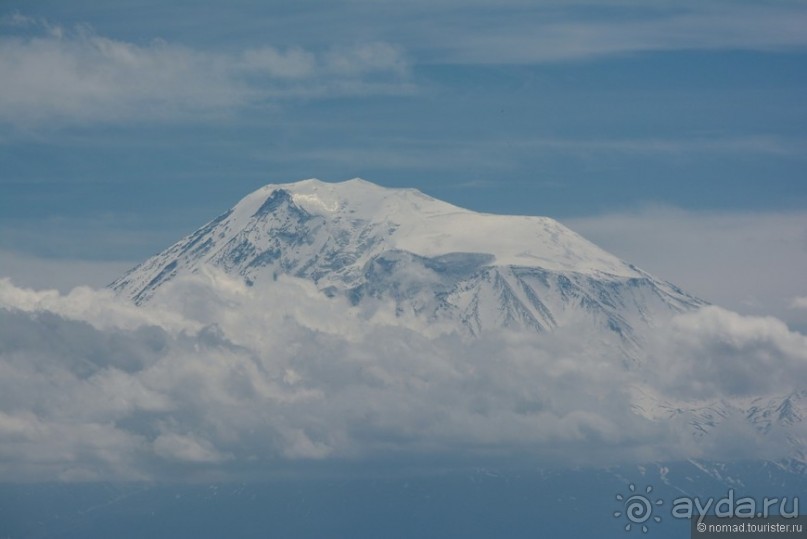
{"x":426,"y":226}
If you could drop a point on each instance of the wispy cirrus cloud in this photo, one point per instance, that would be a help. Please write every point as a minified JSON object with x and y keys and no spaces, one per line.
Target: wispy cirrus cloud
{"x":74,"y":75}
{"x":549,"y":32}
{"x":751,"y":144}
{"x":496,"y":156}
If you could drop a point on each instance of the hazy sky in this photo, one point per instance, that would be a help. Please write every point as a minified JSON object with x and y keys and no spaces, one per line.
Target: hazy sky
{"x":123,"y":128}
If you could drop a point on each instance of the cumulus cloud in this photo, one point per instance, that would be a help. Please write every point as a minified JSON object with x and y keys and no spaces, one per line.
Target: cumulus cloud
{"x":54,"y":74}
{"x":716,"y":352}
{"x":213,"y":378}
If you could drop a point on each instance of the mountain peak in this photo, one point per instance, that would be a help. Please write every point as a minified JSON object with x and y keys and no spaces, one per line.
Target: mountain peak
{"x":359,"y":239}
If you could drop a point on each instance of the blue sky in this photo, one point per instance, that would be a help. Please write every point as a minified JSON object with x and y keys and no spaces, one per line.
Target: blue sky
{"x":121,"y":129}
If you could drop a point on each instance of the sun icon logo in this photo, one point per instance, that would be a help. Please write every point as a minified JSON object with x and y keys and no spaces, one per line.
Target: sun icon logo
{"x":638,"y":508}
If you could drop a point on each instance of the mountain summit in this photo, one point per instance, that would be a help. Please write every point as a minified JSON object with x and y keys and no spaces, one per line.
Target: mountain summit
{"x":432,"y":259}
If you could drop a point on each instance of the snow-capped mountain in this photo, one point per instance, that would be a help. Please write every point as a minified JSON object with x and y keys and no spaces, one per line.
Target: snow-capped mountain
{"x":467,"y":270}
{"x":776,"y":416}
{"x":431,"y":258}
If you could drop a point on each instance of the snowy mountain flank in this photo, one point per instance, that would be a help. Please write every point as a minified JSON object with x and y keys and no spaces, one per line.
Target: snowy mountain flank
{"x":434,"y":260}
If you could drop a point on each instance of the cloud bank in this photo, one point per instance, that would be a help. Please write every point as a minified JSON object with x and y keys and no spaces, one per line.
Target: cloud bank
{"x":214,"y":379}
